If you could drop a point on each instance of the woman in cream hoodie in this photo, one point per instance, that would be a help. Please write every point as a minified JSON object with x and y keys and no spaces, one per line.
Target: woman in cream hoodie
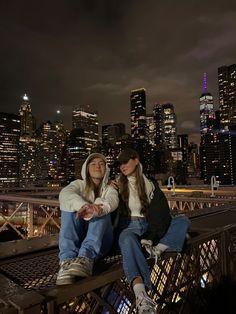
{"x":86,"y":230}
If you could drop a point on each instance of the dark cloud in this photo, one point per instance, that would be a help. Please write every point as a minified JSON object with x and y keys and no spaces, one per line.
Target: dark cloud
{"x":69,"y":53}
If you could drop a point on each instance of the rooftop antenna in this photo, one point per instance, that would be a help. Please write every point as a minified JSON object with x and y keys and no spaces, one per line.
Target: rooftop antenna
{"x":205,"y":82}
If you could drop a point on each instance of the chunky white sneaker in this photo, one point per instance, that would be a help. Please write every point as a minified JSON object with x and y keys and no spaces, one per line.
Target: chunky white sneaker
{"x":64,"y":277}
{"x":145,"y":305}
{"x":81,"y":267}
{"x":154,"y":251}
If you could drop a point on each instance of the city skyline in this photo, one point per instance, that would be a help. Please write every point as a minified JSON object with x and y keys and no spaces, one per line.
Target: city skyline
{"x":65,"y":55}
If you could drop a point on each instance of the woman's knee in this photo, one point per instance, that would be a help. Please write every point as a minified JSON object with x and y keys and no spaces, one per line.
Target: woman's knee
{"x":127,"y":237}
{"x":182,"y":221}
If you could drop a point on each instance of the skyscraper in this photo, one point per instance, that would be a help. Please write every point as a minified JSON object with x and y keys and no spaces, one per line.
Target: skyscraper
{"x":86,"y":119}
{"x":27,"y":160}
{"x":50,"y":140}
{"x":207,"y":115}
{"x":138,"y":113}
{"x":27,"y":145}
{"x":227,"y":94}
{"x":209,"y":146}
{"x":76,"y":154}
{"x":26,"y":117}
{"x":111,"y":133}
{"x":9,"y":149}
{"x":183,"y":146}
{"x":151,"y":129}
{"x":169,"y":126}
{"x":159,"y":124}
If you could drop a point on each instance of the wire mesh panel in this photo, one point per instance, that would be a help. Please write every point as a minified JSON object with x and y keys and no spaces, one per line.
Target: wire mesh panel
{"x":32,"y":273}
{"x":177,"y":278}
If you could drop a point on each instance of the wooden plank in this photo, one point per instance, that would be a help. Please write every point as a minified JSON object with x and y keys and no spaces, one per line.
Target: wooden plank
{"x":13,"y":295}
{"x":63,"y":293}
{"x":24,"y":246}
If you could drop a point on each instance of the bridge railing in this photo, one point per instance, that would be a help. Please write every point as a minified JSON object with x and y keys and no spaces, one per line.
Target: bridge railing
{"x":22,"y":216}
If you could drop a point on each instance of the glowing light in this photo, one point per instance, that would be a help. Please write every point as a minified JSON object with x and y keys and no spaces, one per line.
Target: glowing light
{"x":25,"y":97}
{"x":58,"y":111}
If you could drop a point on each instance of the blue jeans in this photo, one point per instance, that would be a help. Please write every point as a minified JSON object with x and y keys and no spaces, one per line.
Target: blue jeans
{"x":176,"y":234}
{"x":77,"y":237}
{"x":134,"y":260}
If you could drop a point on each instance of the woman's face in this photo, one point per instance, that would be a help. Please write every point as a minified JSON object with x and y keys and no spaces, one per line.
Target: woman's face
{"x":128,"y":169}
{"x":97,"y":168}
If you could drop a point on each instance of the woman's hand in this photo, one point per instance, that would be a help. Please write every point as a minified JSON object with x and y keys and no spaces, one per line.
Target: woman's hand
{"x":114,"y":184}
{"x":89,"y":210}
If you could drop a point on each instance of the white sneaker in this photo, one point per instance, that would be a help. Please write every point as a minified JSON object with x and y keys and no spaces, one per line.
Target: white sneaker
{"x":81,"y":267}
{"x":145,"y":305}
{"x":64,"y":277}
{"x":153,"y":251}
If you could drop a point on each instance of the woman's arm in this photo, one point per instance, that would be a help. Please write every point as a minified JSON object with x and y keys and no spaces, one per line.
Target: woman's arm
{"x":70,"y":197}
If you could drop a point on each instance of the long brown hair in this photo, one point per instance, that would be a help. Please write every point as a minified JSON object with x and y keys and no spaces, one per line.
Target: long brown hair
{"x":141,"y":189}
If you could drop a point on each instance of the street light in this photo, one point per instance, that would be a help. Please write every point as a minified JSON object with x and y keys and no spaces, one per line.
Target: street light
{"x":214,"y":185}
{"x":171,"y":184}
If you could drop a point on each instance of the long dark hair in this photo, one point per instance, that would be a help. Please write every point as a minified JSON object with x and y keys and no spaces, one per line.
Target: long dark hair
{"x":141,"y":189}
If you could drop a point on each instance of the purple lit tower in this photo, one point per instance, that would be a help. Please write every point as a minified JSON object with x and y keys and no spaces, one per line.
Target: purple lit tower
{"x":207,"y":115}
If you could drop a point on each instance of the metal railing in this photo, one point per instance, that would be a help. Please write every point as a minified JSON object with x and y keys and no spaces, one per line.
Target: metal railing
{"x":30,"y":216}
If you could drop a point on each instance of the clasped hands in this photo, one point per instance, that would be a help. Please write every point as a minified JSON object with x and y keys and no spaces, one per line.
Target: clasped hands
{"x":87,"y":211}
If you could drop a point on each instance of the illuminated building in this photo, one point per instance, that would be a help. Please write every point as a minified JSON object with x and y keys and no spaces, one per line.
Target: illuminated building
{"x":27,"y":160}
{"x":76,"y":154}
{"x":207,"y":115}
{"x":151,"y":129}
{"x":165,"y":125}
{"x":209,"y":156}
{"x":9,"y":149}
{"x":26,"y":117}
{"x":159,"y":124}
{"x":27,"y":145}
{"x":227,"y":95}
{"x":138,"y":114}
{"x":84,"y":118}
{"x":209,"y":146}
{"x":51,"y":140}
{"x":227,"y":152}
{"x":169,"y":126}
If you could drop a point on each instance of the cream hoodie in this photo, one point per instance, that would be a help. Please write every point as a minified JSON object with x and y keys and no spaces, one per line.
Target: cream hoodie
{"x":71,"y":197}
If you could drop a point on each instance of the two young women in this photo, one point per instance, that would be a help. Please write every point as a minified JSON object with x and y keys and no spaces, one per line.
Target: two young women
{"x":144,"y":220}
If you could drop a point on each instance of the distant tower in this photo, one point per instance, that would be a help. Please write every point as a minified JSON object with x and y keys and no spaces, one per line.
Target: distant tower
{"x":26,"y":117}
{"x":138,"y":113}
{"x":159,"y":124}
{"x":207,"y":115}
{"x":151,"y":129}
{"x":76,"y":154}
{"x":227,"y":94}
{"x":169,"y":126}
{"x":86,"y":119}
{"x":9,"y":149}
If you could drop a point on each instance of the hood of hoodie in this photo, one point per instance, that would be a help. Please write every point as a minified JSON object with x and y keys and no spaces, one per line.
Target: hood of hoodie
{"x":89,"y":158}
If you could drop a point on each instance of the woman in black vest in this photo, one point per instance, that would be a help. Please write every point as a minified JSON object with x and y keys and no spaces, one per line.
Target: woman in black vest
{"x":144,"y":221}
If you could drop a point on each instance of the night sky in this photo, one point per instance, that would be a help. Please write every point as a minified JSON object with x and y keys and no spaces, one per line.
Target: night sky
{"x":69,"y":53}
